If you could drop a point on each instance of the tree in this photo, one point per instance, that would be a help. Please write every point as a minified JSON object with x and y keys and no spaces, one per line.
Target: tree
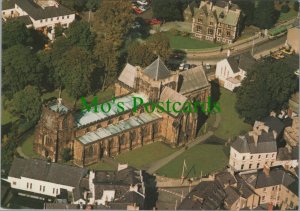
{"x":76,"y":69}
{"x":285,"y":8}
{"x":168,"y":10}
{"x":78,"y":5}
{"x":140,"y":54}
{"x":267,"y":87}
{"x":265,"y":15}
{"x":113,"y":21}
{"x":20,"y":68}
{"x":14,"y":32}
{"x":248,"y":9}
{"x":26,"y":104}
{"x":92,"y":4}
{"x":66,"y":154}
{"x":80,"y":35}
{"x":159,"y":44}
{"x":296,"y":6}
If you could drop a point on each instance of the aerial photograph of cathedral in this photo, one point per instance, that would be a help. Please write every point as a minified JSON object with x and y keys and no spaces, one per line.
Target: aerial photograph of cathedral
{"x":150,"y":104}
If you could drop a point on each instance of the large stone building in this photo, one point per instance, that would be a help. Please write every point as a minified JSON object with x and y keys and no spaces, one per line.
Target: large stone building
{"x":92,"y":136}
{"x":218,"y":22}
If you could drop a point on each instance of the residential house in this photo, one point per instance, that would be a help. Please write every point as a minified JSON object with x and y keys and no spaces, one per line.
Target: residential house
{"x":291,"y":134}
{"x":275,"y":186}
{"x":44,"y":179}
{"x":231,"y":71}
{"x":218,"y":22}
{"x":293,"y":38}
{"x":254,"y":149}
{"x":40,"y":14}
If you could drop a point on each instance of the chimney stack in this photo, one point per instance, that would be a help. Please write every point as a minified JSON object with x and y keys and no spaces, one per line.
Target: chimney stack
{"x":266,"y":170}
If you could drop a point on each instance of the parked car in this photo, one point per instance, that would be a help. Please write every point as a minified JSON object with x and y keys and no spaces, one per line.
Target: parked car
{"x":153,"y":21}
{"x":207,"y":66}
{"x":186,"y":66}
{"x":286,"y":51}
{"x":142,"y":2}
{"x":137,"y":10}
{"x":181,"y":66}
{"x":142,"y":8}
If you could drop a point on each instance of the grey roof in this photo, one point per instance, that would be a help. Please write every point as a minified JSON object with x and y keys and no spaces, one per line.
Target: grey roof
{"x":128,"y":75}
{"x":243,"y":61}
{"x":232,"y":196}
{"x":37,"y":13}
{"x":243,"y":187}
{"x":172,"y":96}
{"x":54,"y":106}
{"x":274,"y":123}
{"x":265,"y":144}
{"x":50,"y":172}
{"x":277,"y":176}
{"x":24,"y":19}
{"x":207,"y":195}
{"x":157,"y":70}
{"x":225,"y":178}
{"x":192,"y":79}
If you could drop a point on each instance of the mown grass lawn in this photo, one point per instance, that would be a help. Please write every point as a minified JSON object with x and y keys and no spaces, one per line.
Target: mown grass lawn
{"x":143,"y":156}
{"x":231,"y":124}
{"x":205,"y":158}
{"x":181,"y":42}
{"x":27,"y":146}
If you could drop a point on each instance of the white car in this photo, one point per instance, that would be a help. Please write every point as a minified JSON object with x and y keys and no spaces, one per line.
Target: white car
{"x":181,"y":66}
{"x":207,"y":66}
{"x":142,"y":2}
{"x":142,"y":8}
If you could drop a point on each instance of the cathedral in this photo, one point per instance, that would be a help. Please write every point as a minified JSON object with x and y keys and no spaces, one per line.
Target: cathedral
{"x":91,"y":136}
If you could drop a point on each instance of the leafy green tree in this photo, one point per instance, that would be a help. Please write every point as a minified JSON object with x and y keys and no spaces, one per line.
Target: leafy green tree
{"x":159,"y":44}
{"x":265,"y":15}
{"x":140,"y":54}
{"x":78,"y":5}
{"x":79,"y":34}
{"x":267,"y":87}
{"x":168,"y":10}
{"x":113,"y":21}
{"x":26,"y":104}
{"x":76,"y":69}
{"x":66,"y":154}
{"x":20,"y":68}
{"x":14,"y":32}
{"x":92,"y":4}
{"x":296,"y":6}
{"x":285,"y":8}
{"x":248,"y":9}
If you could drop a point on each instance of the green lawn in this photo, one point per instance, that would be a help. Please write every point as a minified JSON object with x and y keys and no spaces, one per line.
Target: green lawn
{"x":101,"y":166}
{"x":6,"y":117}
{"x":231,"y":124}
{"x":203,"y":157}
{"x":181,"y":42}
{"x":27,"y":146}
{"x":143,"y":156}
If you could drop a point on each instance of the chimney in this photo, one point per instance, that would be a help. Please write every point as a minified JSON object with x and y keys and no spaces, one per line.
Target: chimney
{"x":273,"y":114}
{"x":255,"y":137}
{"x":266,"y":170}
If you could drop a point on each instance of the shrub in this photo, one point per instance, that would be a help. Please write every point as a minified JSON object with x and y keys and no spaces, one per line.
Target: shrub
{"x":285,"y":8}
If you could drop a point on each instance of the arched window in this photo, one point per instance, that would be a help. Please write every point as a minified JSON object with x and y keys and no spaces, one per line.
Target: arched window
{"x":122,"y":139}
{"x":90,"y":151}
{"x":132,"y":135}
{"x":155,"y":129}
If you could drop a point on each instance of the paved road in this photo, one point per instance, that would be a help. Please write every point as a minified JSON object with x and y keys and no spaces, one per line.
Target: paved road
{"x":213,"y":58}
{"x":160,"y":163}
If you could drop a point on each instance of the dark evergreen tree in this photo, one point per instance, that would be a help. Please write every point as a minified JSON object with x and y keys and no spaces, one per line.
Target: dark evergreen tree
{"x":265,"y":14}
{"x":167,"y":10}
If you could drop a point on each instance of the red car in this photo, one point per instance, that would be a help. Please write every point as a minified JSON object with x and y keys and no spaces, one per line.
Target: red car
{"x":137,"y":10}
{"x":153,"y":21}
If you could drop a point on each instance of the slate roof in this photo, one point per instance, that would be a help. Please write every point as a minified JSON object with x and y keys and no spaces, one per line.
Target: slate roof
{"x":37,"y":13}
{"x":243,"y":187}
{"x":243,"y":61}
{"x":50,"y":172}
{"x":265,"y":144}
{"x":172,"y":96}
{"x":192,"y":79}
{"x":207,"y":195}
{"x":157,"y":70}
{"x":24,"y":19}
{"x":274,"y":123}
{"x":128,"y":75}
{"x":225,"y":178}
{"x":277,"y":176}
{"x":231,"y":196}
